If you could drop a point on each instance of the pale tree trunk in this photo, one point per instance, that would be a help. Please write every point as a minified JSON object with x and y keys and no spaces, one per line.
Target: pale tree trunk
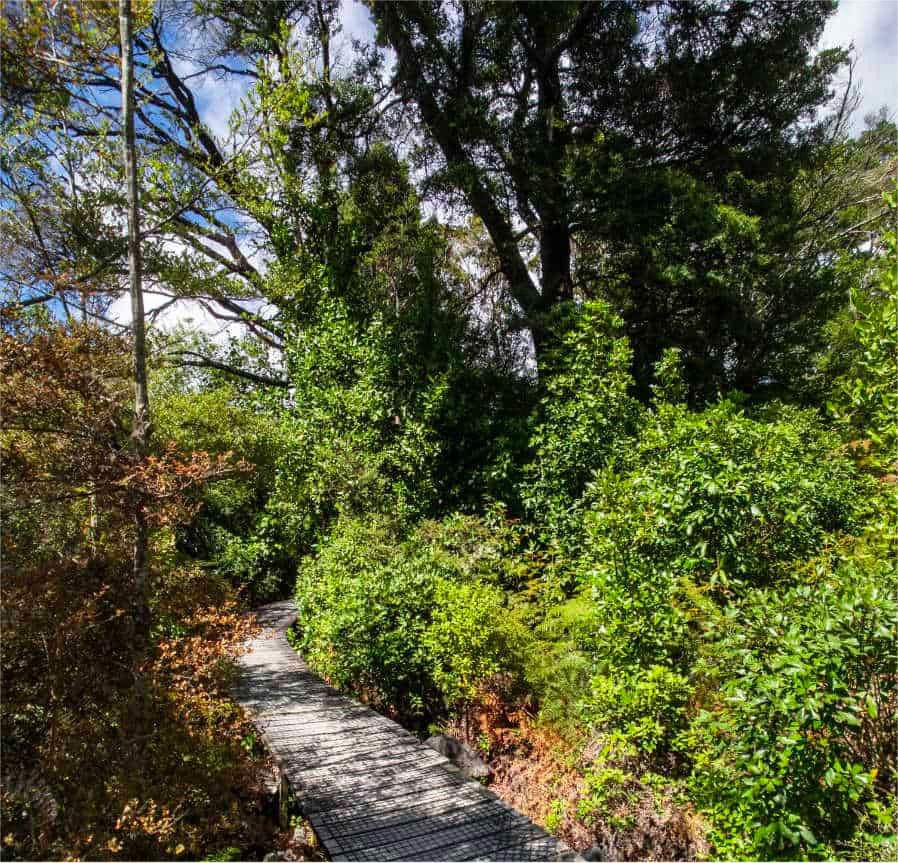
{"x":140,"y":433}
{"x":93,"y":533}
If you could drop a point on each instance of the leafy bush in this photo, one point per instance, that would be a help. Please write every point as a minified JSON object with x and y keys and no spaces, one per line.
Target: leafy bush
{"x":866,"y":394}
{"x":795,"y":753}
{"x":669,"y":386}
{"x":697,"y":508}
{"x":560,"y":668}
{"x":604,"y":663}
{"x":586,"y":410}
{"x":643,"y":615}
{"x":705,"y":505}
{"x":365,"y":442}
{"x":645,"y":705}
{"x":608,"y":658}
{"x":604,"y":788}
{"x":403,"y":621}
{"x":722,"y":497}
{"x":362,"y":613}
{"x":491,"y":548}
{"x":243,"y":528}
{"x":464,"y":643}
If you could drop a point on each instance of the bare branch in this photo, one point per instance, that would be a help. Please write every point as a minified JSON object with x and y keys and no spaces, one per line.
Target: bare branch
{"x":204,"y":362}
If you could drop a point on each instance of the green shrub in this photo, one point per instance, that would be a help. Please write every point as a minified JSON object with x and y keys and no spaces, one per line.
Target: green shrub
{"x":617,"y":655}
{"x":723,"y":497}
{"x":606,"y":660}
{"x":586,"y":410}
{"x":490,"y":548}
{"x":362,"y":613}
{"x":795,"y":752}
{"x":644,"y":616}
{"x":366,"y":443}
{"x":669,"y":386}
{"x":865,"y":398}
{"x":466,"y":641}
{"x":243,"y":529}
{"x":258,"y":561}
{"x":559,"y":667}
{"x":555,"y":816}
{"x":646,"y":706}
{"x":706,"y":505}
{"x":604,"y":789}
{"x":412,"y":625}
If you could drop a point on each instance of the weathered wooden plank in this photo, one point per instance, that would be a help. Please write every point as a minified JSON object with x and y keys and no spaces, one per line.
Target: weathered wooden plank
{"x":321,"y":729}
{"x":324,"y":788}
{"x":457,"y":842}
{"x":334,"y":734}
{"x":350,"y":770}
{"x":357,"y":799}
{"x":333,"y":744}
{"x":371,"y":790}
{"x":357,"y":829}
{"x":360,"y":822}
{"x":347,"y":837}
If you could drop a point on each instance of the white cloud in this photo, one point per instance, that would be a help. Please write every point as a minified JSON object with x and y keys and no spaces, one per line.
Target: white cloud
{"x":216,"y":100}
{"x":183,"y":312}
{"x":356,"y":20}
{"x":872,"y":27}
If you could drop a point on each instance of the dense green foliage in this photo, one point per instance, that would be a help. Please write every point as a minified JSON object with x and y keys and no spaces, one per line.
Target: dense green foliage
{"x":721,"y":497}
{"x":865,"y":397}
{"x":790,"y":750}
{"x":586,"y":410}
{"x":416,"y":623}
{"x":699,"y":599}
{"x":557,"y":382}
{"x":239,"y":530}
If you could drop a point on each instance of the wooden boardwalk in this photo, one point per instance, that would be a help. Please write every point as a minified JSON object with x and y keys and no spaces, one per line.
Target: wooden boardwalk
{"x":371,"y":790}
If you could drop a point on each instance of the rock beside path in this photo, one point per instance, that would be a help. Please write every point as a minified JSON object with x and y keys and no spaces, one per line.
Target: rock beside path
{"x":460,"y":754}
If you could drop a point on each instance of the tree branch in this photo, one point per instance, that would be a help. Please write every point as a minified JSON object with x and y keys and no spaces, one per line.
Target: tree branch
{"x":203,"y":362}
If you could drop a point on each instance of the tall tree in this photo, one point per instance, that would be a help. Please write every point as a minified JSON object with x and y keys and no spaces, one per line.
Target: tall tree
{"x":514,"y":97}
{"x":140,"y":433}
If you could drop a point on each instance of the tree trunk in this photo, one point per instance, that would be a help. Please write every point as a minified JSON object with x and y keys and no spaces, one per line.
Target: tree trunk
{"x":140,"y":433}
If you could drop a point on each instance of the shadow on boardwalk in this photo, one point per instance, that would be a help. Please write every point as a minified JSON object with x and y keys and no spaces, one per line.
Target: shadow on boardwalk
{"x":371,"y":790}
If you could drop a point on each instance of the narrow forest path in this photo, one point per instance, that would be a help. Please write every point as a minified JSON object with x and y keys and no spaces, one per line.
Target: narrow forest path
{"x":371,"y":790}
